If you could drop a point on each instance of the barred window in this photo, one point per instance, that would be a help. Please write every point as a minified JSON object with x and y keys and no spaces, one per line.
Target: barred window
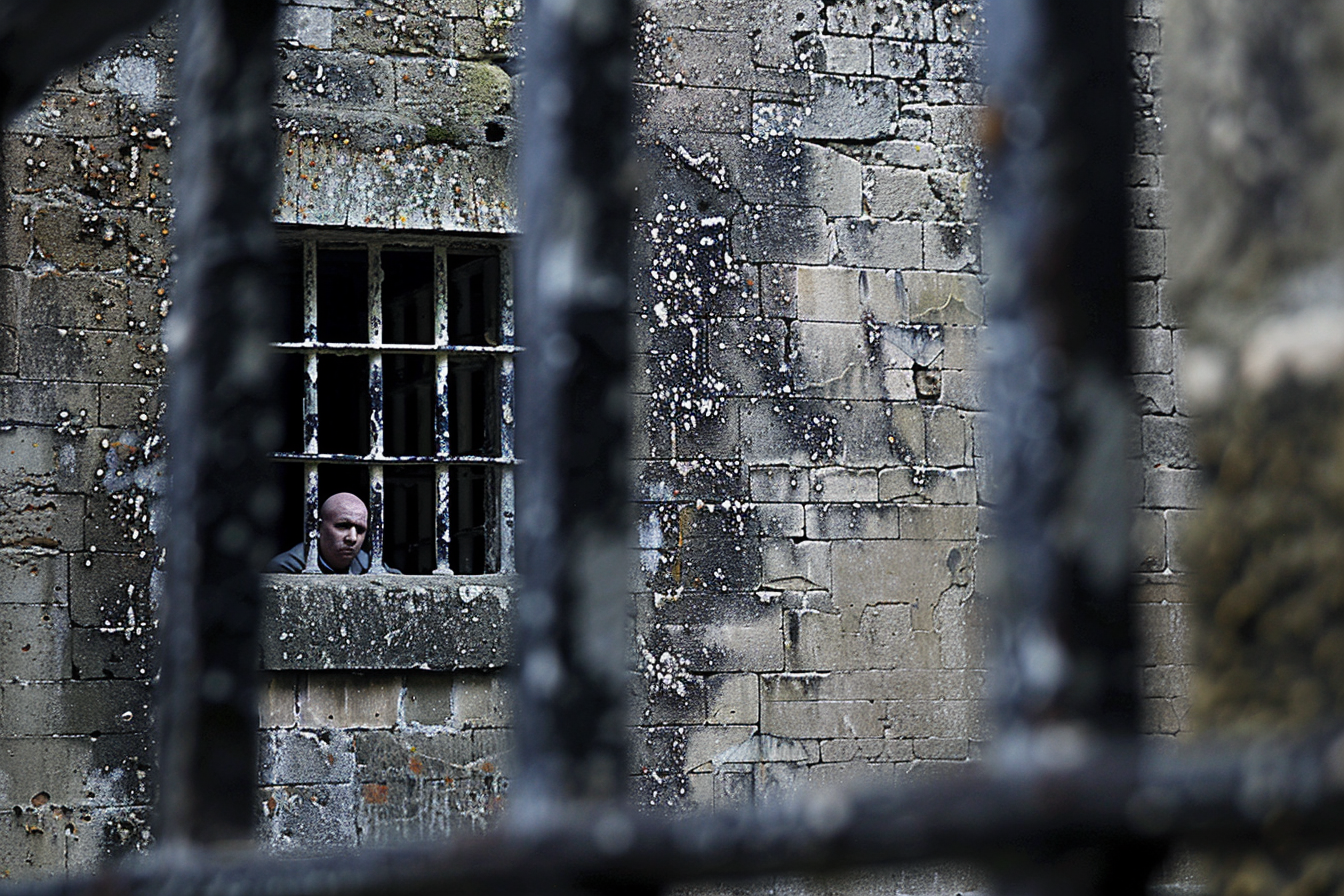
{"x":397,"y":386}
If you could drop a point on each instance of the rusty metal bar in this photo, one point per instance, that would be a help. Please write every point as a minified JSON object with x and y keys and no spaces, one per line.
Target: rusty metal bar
{"x":222,"y":502}
{"x":1061,"y":402}
{"x":572,"y":407}
{"x":1216,"y":793}
{"x":443,"y":531}
{"x":377,"y":493}
{"x":311,"y":498}
{"x":504,"y":552}
{"x":1059,"y":385}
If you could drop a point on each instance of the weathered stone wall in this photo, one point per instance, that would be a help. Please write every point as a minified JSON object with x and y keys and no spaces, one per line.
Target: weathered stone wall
{"x":810,"y":298}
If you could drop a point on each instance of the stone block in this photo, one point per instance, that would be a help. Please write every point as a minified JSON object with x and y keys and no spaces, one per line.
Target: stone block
{"x":878,"y":243}
{"x":951,"y":247}
{"x":32,"y":843}
{"x":1156,"y":392}
{"x":941,"y":748}
{"x":927,"y":484}
{"x":110,"y":590}
{"x":1163,"y":633}
{"x":1147,"y":254}
{"x":939,"y":522}
{"x":695,"y":58}
{"x":480,"y":700}
{"x":880,"y":433}
{"x":842,"y":294}
{"x":69,"y":115}
{"x":782,"y":484}
{"x":317,"y":819}
{"x":1150,"y":207}
{"x":125,"y":407}
{"x":75,"y":707}
{"x":947,"y":438}
{"x":892,"y":572}
{"x":29,"y":457}
{"x":734,"y":645}
{"x":112,"y":769}
{"x":1178,"y":522}
{"x":1149,"y":540}
{"x":899,"y":59}
{"x":907,"y":153}
{"x":789,"y":564}
{"x":783,"y":235}
{"x":349,"y":700}
{"x":45,"y":521}
{"x":900,"y":193}
{"x":1163,"y":487}
{"x":310,"y":26}
{"x":734,"y":699}
{"x":941,"y":298}
{"x":333,"y":78}
{"x":36,"y":402}
{"x":934,"y":718}
{"x":34,"y":642}
{"x":1168,"y":441}
{"x":834,"y":360}
{"x":780,"y":520}
{"x":61,"y":354}
{"x":835,"y":484}
{"x":834,"y":522}
{"x":779,"y":290}
{"x":812,"y":719}
{"x":671,"y":110}
{"x":28,"y":578}
{"x":898,"y":21}
{"x":842,"y":108}
{"x":1152,"y":350}
{"x":1144,"y":309}
{"x":877,"y":750}
{"x":410,"y":622}
{"x":114,"y":653}
{"x":292,"y":756}
{"x":278,"y":700}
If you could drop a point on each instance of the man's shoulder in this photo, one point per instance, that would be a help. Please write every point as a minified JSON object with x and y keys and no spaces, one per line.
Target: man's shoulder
{"x":292,"y":560}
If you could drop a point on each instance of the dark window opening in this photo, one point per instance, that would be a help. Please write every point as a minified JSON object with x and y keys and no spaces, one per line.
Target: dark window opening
{"x":395,"y":382}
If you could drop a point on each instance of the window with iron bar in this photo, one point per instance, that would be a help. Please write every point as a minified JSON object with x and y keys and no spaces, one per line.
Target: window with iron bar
{"x":397,"y":386}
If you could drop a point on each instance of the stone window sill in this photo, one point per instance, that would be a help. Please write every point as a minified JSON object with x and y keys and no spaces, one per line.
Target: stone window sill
{"x":436,"y":623}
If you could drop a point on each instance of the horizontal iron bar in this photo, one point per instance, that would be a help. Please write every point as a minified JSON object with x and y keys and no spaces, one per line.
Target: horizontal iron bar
{"x":465,"y":460}
{"x":1056,"y":794}
{"x":391,"y":348}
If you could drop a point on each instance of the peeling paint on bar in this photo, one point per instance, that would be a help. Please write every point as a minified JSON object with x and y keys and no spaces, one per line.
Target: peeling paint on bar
{"x":376,"y":397}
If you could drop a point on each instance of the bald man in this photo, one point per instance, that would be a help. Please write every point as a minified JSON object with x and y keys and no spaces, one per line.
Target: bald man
{"x":342,"y":522}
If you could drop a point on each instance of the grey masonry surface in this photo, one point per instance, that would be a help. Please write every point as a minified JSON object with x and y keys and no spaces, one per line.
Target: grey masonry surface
{"x":809,"y":489}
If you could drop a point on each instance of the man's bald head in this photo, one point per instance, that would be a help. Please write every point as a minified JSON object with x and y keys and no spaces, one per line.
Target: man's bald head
{"x":343,"y":520}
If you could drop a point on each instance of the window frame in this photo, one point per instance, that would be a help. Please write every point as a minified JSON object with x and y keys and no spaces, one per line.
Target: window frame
{"x":500,"y":550}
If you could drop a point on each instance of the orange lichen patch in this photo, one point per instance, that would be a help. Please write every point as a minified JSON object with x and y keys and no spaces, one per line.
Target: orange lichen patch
{"x":375,"y":793}
{"x":417,"y":767}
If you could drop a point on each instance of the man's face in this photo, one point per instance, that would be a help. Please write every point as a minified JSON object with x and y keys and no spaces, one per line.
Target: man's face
{"x":341,"y":532}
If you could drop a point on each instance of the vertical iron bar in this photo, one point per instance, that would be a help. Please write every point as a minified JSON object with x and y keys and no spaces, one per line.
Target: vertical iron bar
{"x":310,"y":421}
{"x":222,"y":423}
{"x":442,"y":443}
{"x":572,"y":613}
{"x":505,"y":562}
{"x":376,"y":493}
{"x":1059,"y":139}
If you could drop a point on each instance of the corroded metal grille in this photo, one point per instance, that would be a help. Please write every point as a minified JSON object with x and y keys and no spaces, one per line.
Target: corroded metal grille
{"x":409,"y":347}
{"x":1071,"y":802}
